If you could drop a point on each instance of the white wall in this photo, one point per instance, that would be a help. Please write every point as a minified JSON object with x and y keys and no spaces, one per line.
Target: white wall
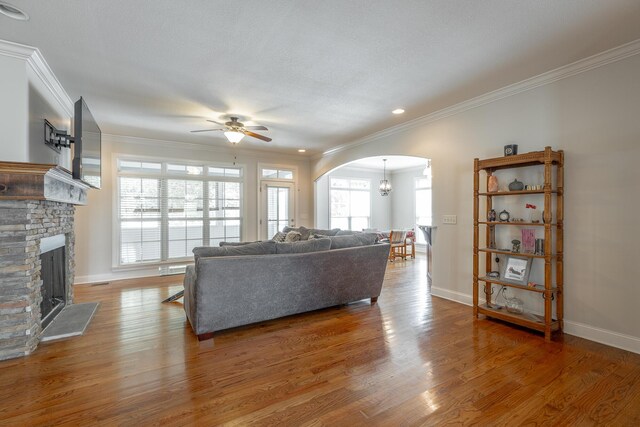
{"x":403,"y":198}
{"x":94,"y":222}
{"x":380,"y":206}
{"x":30,"y":93}
{"x":42,"y":105}
{"x":593,"y":116}
{"x":13,"y":110}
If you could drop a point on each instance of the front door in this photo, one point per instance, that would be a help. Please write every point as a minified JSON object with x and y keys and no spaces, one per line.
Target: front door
{"x":277,"y":209}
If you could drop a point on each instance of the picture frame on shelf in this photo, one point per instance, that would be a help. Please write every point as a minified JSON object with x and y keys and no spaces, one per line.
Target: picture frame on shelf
{"x":516,"y":270}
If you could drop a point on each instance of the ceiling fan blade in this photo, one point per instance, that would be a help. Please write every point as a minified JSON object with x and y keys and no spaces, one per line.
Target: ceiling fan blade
{"x":256,"y":127}
{"x":255,"y":135}
{"x":218,"y":123}
{"x":205,"y":130}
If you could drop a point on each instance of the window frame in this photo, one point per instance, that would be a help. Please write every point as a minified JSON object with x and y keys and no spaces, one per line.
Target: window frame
{"x":260,"y":181}
{"x":165,"y":175}
{"x":350,"y":189}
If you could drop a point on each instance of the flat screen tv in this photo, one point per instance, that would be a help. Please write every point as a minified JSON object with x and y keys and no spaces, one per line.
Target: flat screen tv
{"x":87,"y":156}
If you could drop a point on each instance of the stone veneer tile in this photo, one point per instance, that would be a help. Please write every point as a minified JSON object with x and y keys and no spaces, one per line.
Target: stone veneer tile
{"x":22,"y":225}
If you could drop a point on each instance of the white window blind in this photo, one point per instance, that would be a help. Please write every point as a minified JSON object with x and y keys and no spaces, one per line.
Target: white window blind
{"x":350,"y":200}
{"x":167,"y":209}
{"x":277,"y":209}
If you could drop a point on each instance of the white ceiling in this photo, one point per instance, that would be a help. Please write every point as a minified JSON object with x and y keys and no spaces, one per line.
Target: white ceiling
{"x":318,"y":74}
{"x":393,"y":163}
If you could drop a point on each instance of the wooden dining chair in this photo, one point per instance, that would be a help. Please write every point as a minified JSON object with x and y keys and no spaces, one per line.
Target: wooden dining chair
{"x":397,"y":240}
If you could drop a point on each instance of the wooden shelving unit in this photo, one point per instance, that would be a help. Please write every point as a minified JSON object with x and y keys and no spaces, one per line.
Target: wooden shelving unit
{"x":550,"y":291}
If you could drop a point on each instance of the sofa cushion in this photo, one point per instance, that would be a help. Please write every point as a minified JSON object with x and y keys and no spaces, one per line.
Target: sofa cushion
{"x":304,"y":246}
{"x":237,"y":243}
{"x":349,"y":241}
{"x":332,"y":232}
{"x":347,"y":233}
{"x":256,"y":248}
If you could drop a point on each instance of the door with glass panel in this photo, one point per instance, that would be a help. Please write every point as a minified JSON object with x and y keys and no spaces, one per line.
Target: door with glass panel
{"x":277,"y":208}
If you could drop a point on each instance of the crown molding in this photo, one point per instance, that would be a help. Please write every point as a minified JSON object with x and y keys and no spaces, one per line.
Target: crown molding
{"x":33,"y":57}
{"x":580,"y":66}
{"x":151,"y":142}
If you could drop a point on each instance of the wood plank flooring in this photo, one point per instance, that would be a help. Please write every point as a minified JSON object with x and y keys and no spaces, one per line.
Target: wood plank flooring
{"x":408,"y":360}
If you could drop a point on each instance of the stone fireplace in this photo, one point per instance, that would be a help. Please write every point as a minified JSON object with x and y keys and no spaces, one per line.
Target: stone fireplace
{"x":36,"y":215}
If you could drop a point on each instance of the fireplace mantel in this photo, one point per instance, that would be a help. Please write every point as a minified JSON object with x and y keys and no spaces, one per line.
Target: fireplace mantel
{"x":35,"y":181}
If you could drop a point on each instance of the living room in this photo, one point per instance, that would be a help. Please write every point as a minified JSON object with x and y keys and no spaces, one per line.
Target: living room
{"x":324,"y":80}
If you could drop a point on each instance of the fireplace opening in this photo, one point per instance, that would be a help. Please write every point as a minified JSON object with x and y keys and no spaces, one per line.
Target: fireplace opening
{"x":53,"y":275}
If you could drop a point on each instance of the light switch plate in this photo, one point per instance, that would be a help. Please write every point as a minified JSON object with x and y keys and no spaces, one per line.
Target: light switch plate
{"x":449,"y":219}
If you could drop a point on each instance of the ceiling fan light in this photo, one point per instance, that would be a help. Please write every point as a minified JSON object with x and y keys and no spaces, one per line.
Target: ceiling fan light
{"x":233,"y":136}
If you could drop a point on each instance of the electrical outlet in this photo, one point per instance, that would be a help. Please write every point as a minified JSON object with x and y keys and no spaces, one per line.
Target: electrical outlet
{"x":449,"y":219}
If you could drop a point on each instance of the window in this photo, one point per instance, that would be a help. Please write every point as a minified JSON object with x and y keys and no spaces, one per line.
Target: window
{"x":350,"y":203}
{"x":277,"y":174}
{"x":167,"y":209}
{"x":423,"y":205}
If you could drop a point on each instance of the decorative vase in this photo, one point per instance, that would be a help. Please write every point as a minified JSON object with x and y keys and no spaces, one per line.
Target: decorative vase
{"x":534,"y":216}
{"x":491,"y":215}
{"x":492,"y":185}
{"x":516,"y":185}
{"x":515,"y":305}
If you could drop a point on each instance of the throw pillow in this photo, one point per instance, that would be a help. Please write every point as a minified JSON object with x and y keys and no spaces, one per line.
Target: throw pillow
{"x":304,"y":246}
{"x":293,"y":236}
{"x":279,"y":236}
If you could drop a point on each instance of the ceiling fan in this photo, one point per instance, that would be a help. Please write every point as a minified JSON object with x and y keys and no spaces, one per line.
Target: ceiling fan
{"x":235,"y":131}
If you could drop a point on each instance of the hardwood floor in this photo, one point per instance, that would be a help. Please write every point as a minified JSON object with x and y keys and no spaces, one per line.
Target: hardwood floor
{"x":408,"y":360}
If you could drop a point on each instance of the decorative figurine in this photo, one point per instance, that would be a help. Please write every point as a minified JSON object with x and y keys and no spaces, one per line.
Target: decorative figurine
{"x":491,"y":215}
{"x":516,"y":246}
{"x":504,"y":216}
{"x":516,"y":185}
{"x":492,"y":185}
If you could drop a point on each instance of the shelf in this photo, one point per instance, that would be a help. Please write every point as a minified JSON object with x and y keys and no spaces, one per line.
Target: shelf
{"x":528,"y":320}
{"x":520,"y":160}
{"x":513,"y":193}
{"x":527,"y":255}
{"x":540,"y":290}
{"x":527,"y":224}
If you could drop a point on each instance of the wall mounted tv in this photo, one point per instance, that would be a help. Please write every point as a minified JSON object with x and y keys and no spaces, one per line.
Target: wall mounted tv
{"x":87,"y":155}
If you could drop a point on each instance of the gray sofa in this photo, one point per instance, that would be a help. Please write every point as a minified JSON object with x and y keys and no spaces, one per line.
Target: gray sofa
{"x":238,"y":285}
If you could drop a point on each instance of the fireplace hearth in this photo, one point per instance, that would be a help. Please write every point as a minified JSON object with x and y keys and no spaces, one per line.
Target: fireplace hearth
{"x":36,"y":251}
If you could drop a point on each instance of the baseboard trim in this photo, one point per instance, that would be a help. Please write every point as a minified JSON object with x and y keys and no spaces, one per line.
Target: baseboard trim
{"x":603,"y":336}
{"x":100,"y":279}
{"x":588,"y":332}
{"x":454,"y":296}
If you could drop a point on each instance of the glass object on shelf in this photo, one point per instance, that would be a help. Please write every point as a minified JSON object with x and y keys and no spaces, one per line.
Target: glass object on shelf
{"x":515,"y":305}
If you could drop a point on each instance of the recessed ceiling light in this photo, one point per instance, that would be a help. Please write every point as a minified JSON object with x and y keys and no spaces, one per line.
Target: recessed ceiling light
{"x":302,"y":150}
{"x":13,"y":12}
{"x":398,"y":111}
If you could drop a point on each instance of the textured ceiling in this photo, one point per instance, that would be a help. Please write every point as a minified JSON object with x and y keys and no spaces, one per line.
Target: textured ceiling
{"x":318,"y":74}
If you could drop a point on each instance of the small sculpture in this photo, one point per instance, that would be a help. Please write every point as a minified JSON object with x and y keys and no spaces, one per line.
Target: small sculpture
{"x":516,"y":185}
{"x":516,"y":246}
{"x":491,"y":215}
{"x":504,"y":216}
{"x":492,"y":185}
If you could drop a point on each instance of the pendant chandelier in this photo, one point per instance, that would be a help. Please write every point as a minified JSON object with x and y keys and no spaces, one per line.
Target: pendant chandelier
{"x":385,"y":184}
